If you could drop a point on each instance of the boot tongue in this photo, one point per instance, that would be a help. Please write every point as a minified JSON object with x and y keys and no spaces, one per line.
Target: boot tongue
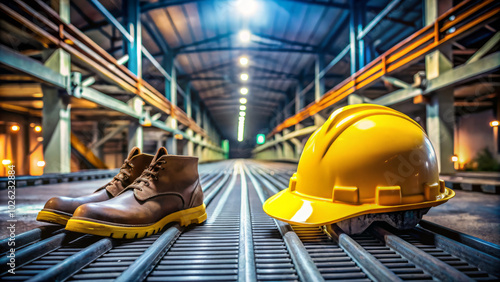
{"x":161,"y":152}
{"x":134,"y":152}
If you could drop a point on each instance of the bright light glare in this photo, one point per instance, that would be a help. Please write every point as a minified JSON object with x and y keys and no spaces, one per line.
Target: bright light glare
{"x":246,"y":7}
{"x":242,"y":114}
{"x":241,"y":129}
{"x":244,"y":36}
{"x":244,"y":76}
{"x":244,"y":90}
{"x":15,"y":128}
{"x":6,"y":162}
{"x":241,"y":118}
{"x":40,"y":163}
{"x":494,"y":123}
{"x":38,"y":128}
{"x":243,"y":61}
{"x":454,"y":158}
{"x":261,"y":139}
{"x":243,"y":108}
{"x":243,"y":100}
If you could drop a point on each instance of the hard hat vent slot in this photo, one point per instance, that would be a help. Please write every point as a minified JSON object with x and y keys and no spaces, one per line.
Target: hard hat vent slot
{"x":346,"y":194}
{"x":388,"y":195}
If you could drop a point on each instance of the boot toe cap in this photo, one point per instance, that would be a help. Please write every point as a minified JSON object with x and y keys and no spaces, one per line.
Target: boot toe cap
{"x":61,"y":204}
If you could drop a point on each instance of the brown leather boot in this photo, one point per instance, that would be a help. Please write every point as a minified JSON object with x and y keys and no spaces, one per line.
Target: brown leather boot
{"x":168,"y":190}
{"x":60,"y":209}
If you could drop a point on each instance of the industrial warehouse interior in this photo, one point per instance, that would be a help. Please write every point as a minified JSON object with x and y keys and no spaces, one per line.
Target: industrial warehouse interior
{"x":249,"y":140}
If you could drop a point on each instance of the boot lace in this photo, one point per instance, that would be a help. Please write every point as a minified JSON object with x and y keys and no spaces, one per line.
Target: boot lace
{"x":124,"y":173}
{"x":150,"y":173}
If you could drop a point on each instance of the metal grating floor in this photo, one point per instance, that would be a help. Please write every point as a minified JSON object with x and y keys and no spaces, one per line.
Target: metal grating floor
{"x":239,"y":242}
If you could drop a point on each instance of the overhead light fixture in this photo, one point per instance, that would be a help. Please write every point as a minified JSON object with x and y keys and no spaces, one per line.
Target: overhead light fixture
{"x":244,"y":36}
{"x":38,"y":128}
{"x":243,"y":108}
{"x":40,"y":163}
{"x":241,"y":128}
{"x":241,"y":118}
{"x":243,"y":61}
{"x":495,"y":123}
{"x":244,"y":76}
{"x":242,"y":114}
{"x":244,"y":90}
{"x":6,"y":162}
{"x":454,"y":158}
{"x":243,"y":100}
{"x":246,"y":7}
{"x":15,"y":128}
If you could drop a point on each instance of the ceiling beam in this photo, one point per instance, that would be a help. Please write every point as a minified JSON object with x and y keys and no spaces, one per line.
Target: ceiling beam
{"x":237,"y":85}
{"x":146,"y":7}
{"x":223,"y":78}
{"x":248,"y":49}
{"x":340,"y":24}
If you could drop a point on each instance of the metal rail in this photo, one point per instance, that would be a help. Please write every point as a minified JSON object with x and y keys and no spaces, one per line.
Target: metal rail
{"x":241,"y":243}
{"x":306,"y":269}
{"x":468,"y":16}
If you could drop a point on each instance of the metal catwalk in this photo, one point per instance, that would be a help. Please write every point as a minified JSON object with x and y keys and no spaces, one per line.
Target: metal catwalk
{"x":240,"y":242}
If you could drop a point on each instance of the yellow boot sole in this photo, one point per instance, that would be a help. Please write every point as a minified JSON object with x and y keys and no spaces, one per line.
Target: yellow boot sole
{"x":52,"y":217}
{"x":194,"y":215}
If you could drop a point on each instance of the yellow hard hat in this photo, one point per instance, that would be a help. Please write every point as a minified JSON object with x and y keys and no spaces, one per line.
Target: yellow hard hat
{"x":364,"y":159}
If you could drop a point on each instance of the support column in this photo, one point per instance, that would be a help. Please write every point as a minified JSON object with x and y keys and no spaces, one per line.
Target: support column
{"x":353,"y":99}
{"x":172,"y":122}
{"x":189,"y":147}
{"x":288,"y":152}
{"x":135,"y":130}
{"x":299,"y":104}
{"x":167,"y":64}
{"x":440,"y":109}
{"x":56,"y":115}
{"x":356,"y":24}
{"x":319,"y":82}
{"x":198,"y":120}
{"x":206,"y":127}
{"x":132,"y":13}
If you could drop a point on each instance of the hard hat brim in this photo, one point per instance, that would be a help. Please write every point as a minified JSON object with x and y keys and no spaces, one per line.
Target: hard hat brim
{"x":292,"y":208}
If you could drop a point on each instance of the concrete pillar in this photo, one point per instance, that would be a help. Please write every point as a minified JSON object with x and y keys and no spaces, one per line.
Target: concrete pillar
{"x":56,"y":115}
{"x":440,"y":109}
{"x":135,"y":130}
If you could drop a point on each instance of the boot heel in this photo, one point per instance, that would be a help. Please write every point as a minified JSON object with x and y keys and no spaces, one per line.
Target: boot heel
{"x":194,"y":218}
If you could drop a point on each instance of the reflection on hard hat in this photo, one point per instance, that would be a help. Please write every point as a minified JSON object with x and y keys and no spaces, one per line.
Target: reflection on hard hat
{"x":303,"y":213}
